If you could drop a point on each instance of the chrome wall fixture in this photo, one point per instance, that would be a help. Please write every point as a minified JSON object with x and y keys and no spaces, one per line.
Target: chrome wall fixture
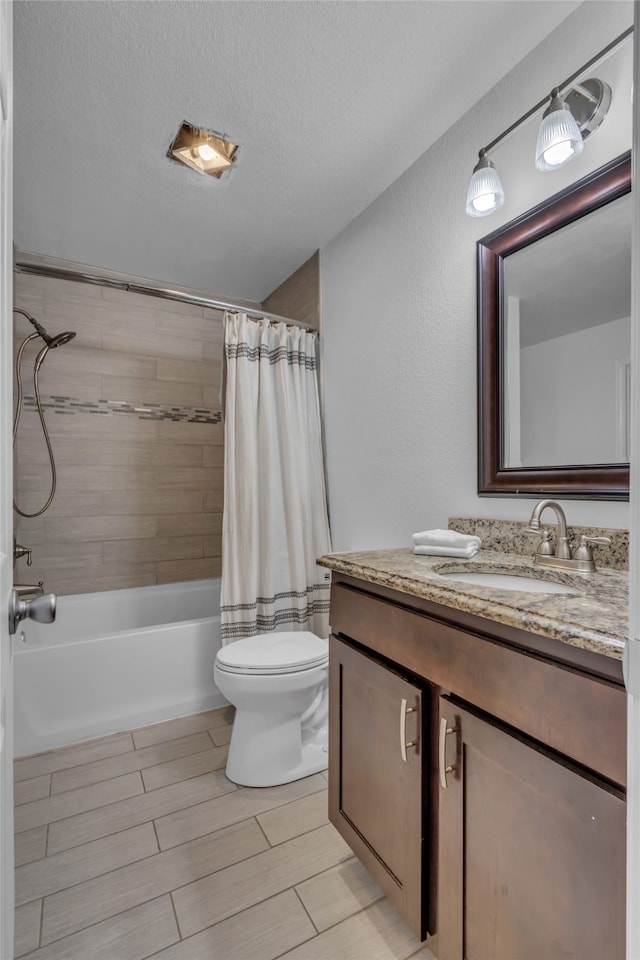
{"x":568,"y":120}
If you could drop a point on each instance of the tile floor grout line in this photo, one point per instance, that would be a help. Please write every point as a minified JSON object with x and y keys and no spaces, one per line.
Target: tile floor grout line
{"x":175,"y":914}
{"x":155,"y":830}
{"x":41,"y":924}
{"x":183,"y":885}
{"x":113,"y":916}
{"x":260,"y":828}
{"x":302,"y":903}
{"x":139,"y":770}
{"x":79,"y":883}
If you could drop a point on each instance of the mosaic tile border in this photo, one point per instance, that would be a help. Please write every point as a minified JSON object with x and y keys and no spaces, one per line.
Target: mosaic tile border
{"x":69,"y":406}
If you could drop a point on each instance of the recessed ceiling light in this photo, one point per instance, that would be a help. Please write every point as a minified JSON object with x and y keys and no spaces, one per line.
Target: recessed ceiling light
{"x":202,"y":150}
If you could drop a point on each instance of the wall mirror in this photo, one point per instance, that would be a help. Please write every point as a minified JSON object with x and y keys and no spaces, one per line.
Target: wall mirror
{"x":554,"y":304}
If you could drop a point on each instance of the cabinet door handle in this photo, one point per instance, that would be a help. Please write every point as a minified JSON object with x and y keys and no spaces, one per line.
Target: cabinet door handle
{"x":444,"y":769}
{"x":404,"y":710}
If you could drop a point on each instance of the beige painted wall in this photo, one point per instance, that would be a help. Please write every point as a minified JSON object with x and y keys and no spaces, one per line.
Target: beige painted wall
{"x":140,"y":486}
{"x":299,"y":296}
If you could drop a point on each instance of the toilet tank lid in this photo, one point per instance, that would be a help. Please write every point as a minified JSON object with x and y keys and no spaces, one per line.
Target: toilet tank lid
{"x":275,"y":650}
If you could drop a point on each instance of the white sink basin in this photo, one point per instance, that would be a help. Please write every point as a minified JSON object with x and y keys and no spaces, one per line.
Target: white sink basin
{"x":506,"y":581}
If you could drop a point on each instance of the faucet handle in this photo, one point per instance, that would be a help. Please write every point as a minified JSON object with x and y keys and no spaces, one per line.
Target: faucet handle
{"x":583,"y":551}
{"x":545,"y":548}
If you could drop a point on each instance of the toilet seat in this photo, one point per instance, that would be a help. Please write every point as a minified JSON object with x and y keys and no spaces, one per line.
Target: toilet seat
{"x":273,"y":653}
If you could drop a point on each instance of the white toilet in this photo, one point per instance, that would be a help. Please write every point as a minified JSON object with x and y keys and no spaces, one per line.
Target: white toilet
{"x":278,"y":683}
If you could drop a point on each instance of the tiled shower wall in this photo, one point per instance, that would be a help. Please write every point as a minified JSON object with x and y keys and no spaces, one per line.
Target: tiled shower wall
{"x":132,"y":405}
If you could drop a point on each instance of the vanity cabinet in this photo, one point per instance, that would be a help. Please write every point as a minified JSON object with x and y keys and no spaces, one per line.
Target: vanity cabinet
{"x":531,"y":850}
{"x":376,"y":756}
{"x":502,"y":835}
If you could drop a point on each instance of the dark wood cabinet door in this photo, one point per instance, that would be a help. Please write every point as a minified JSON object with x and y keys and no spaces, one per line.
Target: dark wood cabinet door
{"x":531,"y":852}
{"x":376,"y":745}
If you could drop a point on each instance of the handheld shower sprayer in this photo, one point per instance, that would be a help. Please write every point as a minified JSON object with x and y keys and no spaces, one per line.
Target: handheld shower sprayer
{"x":50,"y":343}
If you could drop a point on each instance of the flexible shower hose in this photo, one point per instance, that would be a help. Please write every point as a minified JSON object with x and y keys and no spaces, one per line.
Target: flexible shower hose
{"x":16,"y":421}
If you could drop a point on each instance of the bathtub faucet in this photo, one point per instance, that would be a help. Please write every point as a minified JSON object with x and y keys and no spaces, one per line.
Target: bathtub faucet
{"x":41,"y":608}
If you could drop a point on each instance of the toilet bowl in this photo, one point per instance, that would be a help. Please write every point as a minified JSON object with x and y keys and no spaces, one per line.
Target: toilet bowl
{"x":278,"y":683}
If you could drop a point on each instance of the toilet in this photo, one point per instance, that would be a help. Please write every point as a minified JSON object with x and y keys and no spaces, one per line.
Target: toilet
{"x":278,"y":683}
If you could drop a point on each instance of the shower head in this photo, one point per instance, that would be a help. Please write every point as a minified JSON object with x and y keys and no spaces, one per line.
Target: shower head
{"x":49,"y":344}
{"x":58,"y":341}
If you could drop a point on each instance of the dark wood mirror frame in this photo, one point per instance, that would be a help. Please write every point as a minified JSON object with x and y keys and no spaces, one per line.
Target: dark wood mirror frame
{"x":591,"y":481}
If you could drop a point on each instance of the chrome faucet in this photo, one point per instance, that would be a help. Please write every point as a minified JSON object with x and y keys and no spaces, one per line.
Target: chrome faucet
{"x":561,"y":558}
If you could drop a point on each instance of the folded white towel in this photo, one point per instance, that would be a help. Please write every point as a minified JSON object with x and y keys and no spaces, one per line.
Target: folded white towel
{"x":435,"y":550}
{"x":445,"y":538}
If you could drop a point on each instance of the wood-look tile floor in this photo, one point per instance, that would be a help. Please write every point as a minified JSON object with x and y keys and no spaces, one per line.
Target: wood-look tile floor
{"x":137,"y":846}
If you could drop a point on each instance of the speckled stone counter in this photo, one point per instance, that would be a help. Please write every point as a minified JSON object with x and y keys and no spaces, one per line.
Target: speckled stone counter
{"x":596,"y":619}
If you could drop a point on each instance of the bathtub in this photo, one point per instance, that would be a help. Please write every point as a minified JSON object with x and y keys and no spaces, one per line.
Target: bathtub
{"x":115,"y":660}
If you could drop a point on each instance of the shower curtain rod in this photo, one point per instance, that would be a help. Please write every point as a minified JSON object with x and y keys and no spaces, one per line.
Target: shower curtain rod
{"x":165,"y":293}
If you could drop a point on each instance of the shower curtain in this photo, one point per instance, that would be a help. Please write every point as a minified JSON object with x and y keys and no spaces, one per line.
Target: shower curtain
{"x":275,"y":520}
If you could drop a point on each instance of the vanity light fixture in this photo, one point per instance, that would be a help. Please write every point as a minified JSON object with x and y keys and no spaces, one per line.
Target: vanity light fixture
{"x":566,"y":123}
{"x":202,"y":150}
{"x":559,"y":137}
{"x":485,"y":190}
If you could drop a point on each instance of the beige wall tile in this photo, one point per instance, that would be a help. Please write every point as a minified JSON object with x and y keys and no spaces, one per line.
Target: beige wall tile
{"x":189,"y":478}
{"x":63,"y":870}
{"x":184,"y":768}
{"x":183,"y":825}
{"x":154,"y":549}
{"x":189,"y":524}
{"x":299,"y":296}
{"x":30,"y":845}
{"x":213,"y":457}
{"x":128,"y":762}
{"x":91,"y":480}
{"x":337,"y":894}
{"x":378,"y":933}
{"x":295,"y":818}
{"x":25,"y":791}
{"x":175,"y":571}
{"x":262,"y":932}
{"x":100,"y":528}
{"x":40,"y":763}
{"x":54,"y":382}
{"x":67,"y":555}
{"x":105,"y":453}
{"x":151,"y":391}
{"x":159,"y":345}
{"x":27,"y":928}
{"x":188,"y":370}
{"x":211,"y":394}
{"x":71,"y":358}
{"x":128,"y":813}
{"x":131,"y":934}
{"x":172,"y":432}
{"x":214,"y":499}
{"x":65,"y":504}
{"x":198,"y":328}
{"x":105,"y":896}
{"x":71,"y":582}
{"x":213,"y":545}
{"x":156,"y":502}
{"x":76,"y":801}
{"x":245,"y":884}
{"x":138,"y":349}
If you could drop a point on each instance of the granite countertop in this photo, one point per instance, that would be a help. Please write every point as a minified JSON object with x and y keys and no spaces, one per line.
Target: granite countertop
{"x":596,"y":619}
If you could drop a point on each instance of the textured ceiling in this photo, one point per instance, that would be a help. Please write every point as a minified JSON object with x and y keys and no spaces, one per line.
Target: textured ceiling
{"x":329,"y":101}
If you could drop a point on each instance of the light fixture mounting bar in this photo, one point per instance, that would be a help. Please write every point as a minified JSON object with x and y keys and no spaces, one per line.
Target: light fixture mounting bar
{"x":560,"y":86}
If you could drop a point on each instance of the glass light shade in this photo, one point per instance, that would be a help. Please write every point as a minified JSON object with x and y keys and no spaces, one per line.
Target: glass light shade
{"x":559,"y":137}
{"x":485,"y":194}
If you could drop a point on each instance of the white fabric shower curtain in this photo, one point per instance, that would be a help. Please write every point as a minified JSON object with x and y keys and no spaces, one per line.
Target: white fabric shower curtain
{"x":275,"y":521}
